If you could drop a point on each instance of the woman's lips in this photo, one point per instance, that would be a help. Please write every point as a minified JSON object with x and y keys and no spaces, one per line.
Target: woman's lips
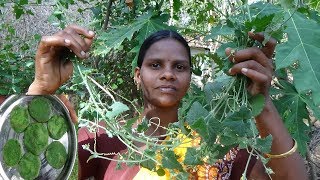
{"x":167,"y":89}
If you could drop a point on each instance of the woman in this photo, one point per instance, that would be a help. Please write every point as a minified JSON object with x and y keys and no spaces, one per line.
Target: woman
{"x":164,"y":74}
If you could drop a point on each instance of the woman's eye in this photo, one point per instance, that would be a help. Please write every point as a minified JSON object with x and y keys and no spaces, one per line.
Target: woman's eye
{"x":180,"y":67}
{"x":155,"y":65}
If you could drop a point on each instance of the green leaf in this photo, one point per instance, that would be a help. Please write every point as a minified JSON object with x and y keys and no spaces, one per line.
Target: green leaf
{"x":301,"y":53}
{"x":192,"y":157}
{"x":129,"y":123}
{"x":143,"y":126}
{"x":229,"y":137}
{"x":292,"y":108}
{"x":275,"y":28}
{"x":161,"y":172}
{"x":243,"y":113}
{"x":170,"y":161}
{"x":18,"y":11}
{"x":116,"y":109}
{"x":149,"y":164}
{"x":315,"y":109}
{"x":241,"y":128}
{"x":287,"y":4}
{"x":176,"y":5}
{"x":261,"y":9}
{"x":213,"y":89}
{"x":259,"y":24}
{"x":152,"y":25}
{"x":221,"y":50}
{"x":200,"y":127}
{"x":114,"y":38}
{"x":220,"y":30}
{"x":297,"y":127}
{"x":264,"y":145}
{"x":257,"y":103}
{"x":195,"y":112}
{"x":23,"y":2}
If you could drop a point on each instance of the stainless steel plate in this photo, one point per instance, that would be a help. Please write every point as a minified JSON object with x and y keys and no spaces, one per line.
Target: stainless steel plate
{"x":69,"y":139}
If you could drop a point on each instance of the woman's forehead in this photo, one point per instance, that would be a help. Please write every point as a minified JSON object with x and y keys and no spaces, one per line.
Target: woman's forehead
{"x":167,"y":48}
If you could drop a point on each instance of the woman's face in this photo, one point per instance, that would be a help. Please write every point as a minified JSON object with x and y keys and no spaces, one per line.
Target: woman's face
{"x":165,"y":73}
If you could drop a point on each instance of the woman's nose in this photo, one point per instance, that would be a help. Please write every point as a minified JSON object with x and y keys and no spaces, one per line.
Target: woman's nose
{"x":168,"y":74}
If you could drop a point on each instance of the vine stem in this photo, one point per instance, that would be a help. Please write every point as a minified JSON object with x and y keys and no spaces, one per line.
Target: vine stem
{"x":251,"y":152}
{"x":249,"y":14}
{"x":244,"y":174}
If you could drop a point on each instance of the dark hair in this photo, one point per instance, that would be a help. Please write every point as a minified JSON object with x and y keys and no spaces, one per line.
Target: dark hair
{"x":157,"y":36}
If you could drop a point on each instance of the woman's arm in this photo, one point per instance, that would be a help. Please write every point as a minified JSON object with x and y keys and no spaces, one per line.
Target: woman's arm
{"x":256,"y":64}
{"x":52,"y":68}
{"x":290,"y":167}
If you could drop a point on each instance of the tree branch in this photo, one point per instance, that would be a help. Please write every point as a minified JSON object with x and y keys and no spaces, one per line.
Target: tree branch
{"x":106,"y":19}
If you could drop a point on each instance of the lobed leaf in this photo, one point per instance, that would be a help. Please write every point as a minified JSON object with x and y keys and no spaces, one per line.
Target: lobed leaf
{"x":115,"y":37}
{"x":243,"y":113}
{"x":257,"y":103}
{"x":195,"y":112}
{"x":192,"y":157}
{"x":264,"y":144}
{"x":220,"y":30}
{"x":292,"y":108}
{"x":170,"y":161}
{"x":116,"y":109}
{"x":300,"y":53}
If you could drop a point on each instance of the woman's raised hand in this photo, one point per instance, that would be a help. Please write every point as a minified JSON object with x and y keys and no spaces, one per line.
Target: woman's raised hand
{"x":255,"y":63}
{"x":52,"y":67}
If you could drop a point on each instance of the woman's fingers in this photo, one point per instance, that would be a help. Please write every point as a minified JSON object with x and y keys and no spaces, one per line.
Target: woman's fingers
{"x":80,"y":30}
{"x":256,"y":72}
{"x":86,"y":36}
{"x":269,"y":47}
{"x":250,"y":64}
{"x":52,"y":41}
{"x":80,"y":39}
{"x":77,"y":45}
{"x":75,"y":38}
{"x":255,"y":63}
{"x":253,"y":53}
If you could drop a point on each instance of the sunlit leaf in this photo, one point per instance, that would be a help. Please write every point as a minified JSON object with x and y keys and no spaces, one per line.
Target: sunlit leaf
{"x":301,"y":53}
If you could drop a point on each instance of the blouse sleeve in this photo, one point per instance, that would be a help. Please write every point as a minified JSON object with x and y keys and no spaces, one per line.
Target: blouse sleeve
{"x":240,"y":164}
{"x":95,"y":167}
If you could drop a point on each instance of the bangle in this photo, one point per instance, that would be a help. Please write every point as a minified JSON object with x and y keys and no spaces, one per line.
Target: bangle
{"x":286,"y":154}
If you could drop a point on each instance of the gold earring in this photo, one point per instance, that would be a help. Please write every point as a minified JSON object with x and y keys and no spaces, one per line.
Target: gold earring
{"x":138,"y":84}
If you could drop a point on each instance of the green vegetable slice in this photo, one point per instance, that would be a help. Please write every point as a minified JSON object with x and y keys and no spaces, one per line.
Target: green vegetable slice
{"x":40,"y":109}
{"x":29,"y":166}
{"x":57,"y":127}
{"x":36,"y":138}
{"x":19,"y":119}
{"x":56,"y":155}
{"x":12,"y":152}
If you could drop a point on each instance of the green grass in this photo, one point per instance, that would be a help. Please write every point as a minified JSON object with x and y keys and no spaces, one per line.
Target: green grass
{"x":74,"y":173}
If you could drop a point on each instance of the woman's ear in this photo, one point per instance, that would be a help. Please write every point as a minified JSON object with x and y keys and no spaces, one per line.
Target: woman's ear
{"x":137,"y":75}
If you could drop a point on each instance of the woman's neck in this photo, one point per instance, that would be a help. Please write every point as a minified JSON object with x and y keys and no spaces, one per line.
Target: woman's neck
{"x":160,"y":117}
